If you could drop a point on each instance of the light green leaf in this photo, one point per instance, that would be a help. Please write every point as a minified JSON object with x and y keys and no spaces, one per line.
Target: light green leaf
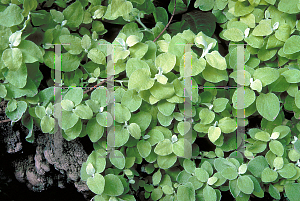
{"x":216,"y":60}
{"x":207,"y":116}
{"x":288,"y":171}
{"x":90,"y":169}
{"x":67,"y":119}
{"x":214,"y":133}
{"x":276,"y":147}
{"x":3,"y":91}
{"x":74,"y":14}
{"x":292,"y":76}
{"x":47,"y":124}
{"x":67,"y":105}
{"x":163,"y":148}
{"x":12,"y":58}
{"x":288,"y":6}
{"x":155,"y":136}
{"x":219,"y":104}
{"x":40,"y":111}
{"x":166,"y":61}
{"x":98,"y":160}
{"x":113,"y":185}
{"x":17,"y":78}
{"x":83,"y":111}
{"x":214,"y":75}
{"x":120,"y":8}
{"x":122,"y":113}
{"x":86,"y":42}
{"x":31,"y":52}
{"x":249,"y":98}
{"x":15,"y":38}
{"x":133,"y":64}
{"x":183,"y":127}
{"x":11,"y":16}
{"x":268,"y":106}
{"x":75,"y":95}
{"x":140,"y":80}
{"x":209,"y":194}
{"x":134,"y":130}
{"x":94,"y":130}
{"x":221,"y":163}
{"x":263,"y":136}
{"x":292,"y":45}
{"x":104,"y":119}
{"x":292,"y":191}
{"x":96,"y":56}
{"x":229,"y":173}
{"x":182,"y":148}
{"x":283,"y":32}
{"x":17,"y":113}
{"x":161,"y":91}
{"x":57,"y":16}
{"x":256,"y":85}
{"x":189,"y":166}
{"x":144,"y":148}
{"x":268,"y":175}
{"x":227,"y":125}
{"x":273,"y":191}
{"x":201,"y":174}
{"x":117,"y":137}
{"x":132,"y":40}
{"x":233,"y":34}
{"x":186,"y":192}
{"x":266,"y":75}
{"x":131,"y":100}
{"x":165,"y":162}
{"x":245,"y":184}
{"x":117,"y":159}
{"x":278,"y":162}
{"x":156,"y":178}
{"x":96,"y":183}
{"x":74,"y":131}
{"x":101,"y":95}
{"x":165,"y":107}
{"x":263,"y":29}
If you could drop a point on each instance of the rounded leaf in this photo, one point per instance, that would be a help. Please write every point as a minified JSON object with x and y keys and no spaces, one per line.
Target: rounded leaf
{"x":117,"y":159}
{"x":166,"y":61}
{"x":276,"y":147}
{"x":163,"y":148}
{"x":134,"y":130}
{"x":144,"y":148}
{"x":214,"y":133}
{"x":96,"y":183}
{"x":47,"y":124}
{"x":122,"y":113}
{"x":83,"y":111}
{"x":268,"y":175}
{"x":268,"y":106}
{"x":113,"y":185}
{"x":245,"y":184}
{"x":104,"y":119}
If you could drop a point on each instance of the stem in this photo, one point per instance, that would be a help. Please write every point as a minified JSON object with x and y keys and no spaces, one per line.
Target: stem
{"x":6,"y":120}
{"x":97,"y":85}
{"x":142,"y":24}
{"x":167,"y":24}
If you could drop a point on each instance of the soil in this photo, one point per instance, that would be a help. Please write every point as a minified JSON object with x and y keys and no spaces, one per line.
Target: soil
{"x":44,"y":170}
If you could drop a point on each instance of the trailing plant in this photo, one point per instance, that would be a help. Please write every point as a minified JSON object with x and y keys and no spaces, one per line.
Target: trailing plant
{"x":149,"y":93}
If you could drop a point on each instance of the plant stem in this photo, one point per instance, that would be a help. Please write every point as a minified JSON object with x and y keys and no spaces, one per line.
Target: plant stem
{"x":167,"y":24}
{"x":97,"y":85}
{"x":142,"y":24}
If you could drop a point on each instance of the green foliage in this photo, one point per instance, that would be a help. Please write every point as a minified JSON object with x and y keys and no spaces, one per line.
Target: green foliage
{"x":149,"y":114}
